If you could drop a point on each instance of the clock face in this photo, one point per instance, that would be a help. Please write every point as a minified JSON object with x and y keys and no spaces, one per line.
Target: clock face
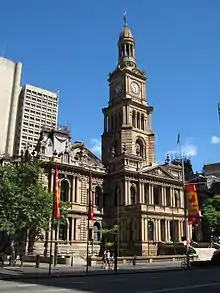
{"x":118,"y":88}
{"x":135,"y":88}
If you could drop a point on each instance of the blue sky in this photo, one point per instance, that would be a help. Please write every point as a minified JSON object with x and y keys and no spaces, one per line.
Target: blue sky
{"x":72,"y":46}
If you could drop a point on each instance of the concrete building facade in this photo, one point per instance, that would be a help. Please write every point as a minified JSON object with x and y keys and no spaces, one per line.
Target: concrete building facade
{"x":37,"y":109}
{"x":10,"y":76}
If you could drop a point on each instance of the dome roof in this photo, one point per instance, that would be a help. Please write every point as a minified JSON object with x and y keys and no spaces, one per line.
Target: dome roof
{"x":126,"y":33}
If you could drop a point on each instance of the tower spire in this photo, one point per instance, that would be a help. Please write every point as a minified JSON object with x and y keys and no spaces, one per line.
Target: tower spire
{"x":125,"y":17}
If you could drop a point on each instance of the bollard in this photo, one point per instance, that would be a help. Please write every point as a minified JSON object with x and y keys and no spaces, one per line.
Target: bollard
{"x":37,"y":261}
{"x":2,"y":260}
{"x":21,"y":260}
{"x":134,"y":260}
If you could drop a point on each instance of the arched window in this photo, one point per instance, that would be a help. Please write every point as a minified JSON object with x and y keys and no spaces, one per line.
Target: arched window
{"x":138,"y":120}
{"x":176,"y":199}
{"x":117,"y":197}
{"x":98,"y":196}
{"x":133,"y":194}
{"x":97,"y":229}
{"x":140,"y":148}
{"x":133,"y":119}
{"x":142,"y":122}
{"x":43,"y":150}
{"x":157,"y":195}
{"x":64,"y":190}
{"x":150,"y":229}
{"x":63,"y":231}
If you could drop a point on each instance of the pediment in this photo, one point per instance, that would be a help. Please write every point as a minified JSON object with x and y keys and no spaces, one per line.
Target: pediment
{"x":80,"y":153}
{"x":159,"y":172}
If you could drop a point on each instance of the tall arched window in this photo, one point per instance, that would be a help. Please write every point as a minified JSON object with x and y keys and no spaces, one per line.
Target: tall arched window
{"x":140,"y":148}
{"x":150,"y":229}
{"x":98,"y":196}
{"x":133,"y":194}
{"x":176,"y":199}
{"x":97,"y":229}
{"x":142,"y":122}
{"x":133,"y":119}
{"x":138,"y":120}
{"x":64,"y":190}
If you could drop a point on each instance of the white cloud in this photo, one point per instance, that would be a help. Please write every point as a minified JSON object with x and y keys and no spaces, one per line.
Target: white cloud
{"x":215,"y":139}
{"x":96,"y":146}
{"x":188,"y":150}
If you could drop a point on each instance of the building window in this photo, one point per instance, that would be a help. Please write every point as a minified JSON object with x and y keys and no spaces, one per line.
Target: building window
{"x":133,"y":194}
{"x":64,"y":190}
{"x":97,"y":229}
{"x":176,"y":198}
{"x":138,"y":120}
{"x":150,"y":229}
{"x":133,"y":119}
{"x":157,"y":195}
{"x":142,"y":122}
{"x":140,"y":148}
{"x":168,"y":196}
{"x":98,"y":196}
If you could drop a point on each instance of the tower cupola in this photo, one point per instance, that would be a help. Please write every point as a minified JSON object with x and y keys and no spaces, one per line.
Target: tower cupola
{"x":126,"y":47}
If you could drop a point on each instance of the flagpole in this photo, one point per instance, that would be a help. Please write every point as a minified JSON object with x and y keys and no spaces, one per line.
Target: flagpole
{"x":185,"y":205}
{"x":51,"y":236}
{"x":88,"y":220}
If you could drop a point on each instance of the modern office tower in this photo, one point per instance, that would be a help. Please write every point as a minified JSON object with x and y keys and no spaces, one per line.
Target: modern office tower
{"x":38,"y":108}
{"x":10,"y":76}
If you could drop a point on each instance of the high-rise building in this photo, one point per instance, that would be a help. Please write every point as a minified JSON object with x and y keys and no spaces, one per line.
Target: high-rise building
{"x":38,"y":108}
{"x":10,"y":76}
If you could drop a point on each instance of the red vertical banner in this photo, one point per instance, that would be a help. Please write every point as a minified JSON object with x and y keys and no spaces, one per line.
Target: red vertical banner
{"x":192,"y":204}
{"x":91,"y":215}
{"x":56,"y":195}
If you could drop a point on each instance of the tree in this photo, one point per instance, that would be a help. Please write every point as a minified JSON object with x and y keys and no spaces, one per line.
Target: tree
{"x":25,"y":204}
{"x":211,"y":211}
{"x":108,"y":236}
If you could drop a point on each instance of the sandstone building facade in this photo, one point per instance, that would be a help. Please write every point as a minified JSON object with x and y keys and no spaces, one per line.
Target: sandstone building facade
{"x":145,"y":199}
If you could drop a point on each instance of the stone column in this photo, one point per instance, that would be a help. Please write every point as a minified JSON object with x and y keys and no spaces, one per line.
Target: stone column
{"x":150,"y":122}
{"x":152,"y":194}
{"x":168,"y":230}
{"x":162,"y":195}
{"x":159,"y":230}
{"x":52,"y":181}
{"x":143,"y":237}
{"x":68,"y":229}
{"x":156,"y":230}
{"x":180,"y":230}
{"x":128,"y":193}
{"x":73,"y":189}
{"x":146,"y":228}
{"x":124,"y":115}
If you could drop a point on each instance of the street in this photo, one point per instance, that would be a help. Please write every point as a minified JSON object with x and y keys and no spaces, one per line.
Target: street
{"x":204,"y":280}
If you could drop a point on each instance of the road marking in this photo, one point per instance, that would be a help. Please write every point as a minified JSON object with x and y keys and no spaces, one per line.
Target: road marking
{"x":182,"y":288}
{"x":26,"y":285}
{"x":55,"y":290}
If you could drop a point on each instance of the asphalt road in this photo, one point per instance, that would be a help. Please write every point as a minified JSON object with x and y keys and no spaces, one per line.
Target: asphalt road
{"x":202,"y":280}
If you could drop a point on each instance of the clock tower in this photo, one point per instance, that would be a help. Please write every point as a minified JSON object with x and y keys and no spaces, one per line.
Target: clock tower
{"x":128,"y":117}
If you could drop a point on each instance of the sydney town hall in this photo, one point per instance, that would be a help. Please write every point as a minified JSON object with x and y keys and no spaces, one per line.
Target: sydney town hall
{"x":143,"y":198}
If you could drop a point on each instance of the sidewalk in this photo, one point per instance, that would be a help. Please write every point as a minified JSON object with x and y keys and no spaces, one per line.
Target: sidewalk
{"x":28,"y":271}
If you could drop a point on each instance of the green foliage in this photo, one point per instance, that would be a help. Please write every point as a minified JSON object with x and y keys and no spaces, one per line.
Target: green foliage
{"x":25,"y":203}
{"x":112,"y":231}
{"x":211,"y":211}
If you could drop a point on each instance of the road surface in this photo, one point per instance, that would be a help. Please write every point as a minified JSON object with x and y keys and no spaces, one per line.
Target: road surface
{"x":194,"y":281}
